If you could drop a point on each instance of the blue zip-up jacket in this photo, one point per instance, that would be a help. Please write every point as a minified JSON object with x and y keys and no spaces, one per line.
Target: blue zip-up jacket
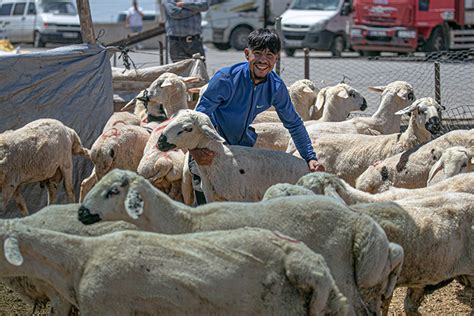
{"x":232,"y":101}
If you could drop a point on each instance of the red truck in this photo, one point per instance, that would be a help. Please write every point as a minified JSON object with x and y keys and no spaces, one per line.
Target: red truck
{"x":406,"y":26}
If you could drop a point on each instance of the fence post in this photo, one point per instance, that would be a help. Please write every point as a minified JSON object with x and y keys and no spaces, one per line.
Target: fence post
{"x":160,"y":44}
{"x":115,"y":59}
{"x":278,"y":30}
{"x":306,"y":62}
{"x":437,"y":78}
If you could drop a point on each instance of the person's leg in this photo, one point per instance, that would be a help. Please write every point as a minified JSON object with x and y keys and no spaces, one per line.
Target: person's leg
{"x":177,"y":50}
{"x":199,"y":197}
{"x":194,"y":47}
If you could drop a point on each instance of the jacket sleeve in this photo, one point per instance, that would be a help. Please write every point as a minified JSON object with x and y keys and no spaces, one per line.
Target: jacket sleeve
{"x":218,"y":91}
{"x":196,"y":5}
{"x":175,"y":12}
{"x":293,"y":123}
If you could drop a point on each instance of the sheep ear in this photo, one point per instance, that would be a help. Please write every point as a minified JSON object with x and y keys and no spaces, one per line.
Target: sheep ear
{"x":129,"y":106}
{"x":403,"y":93}
{"x":211,"y":133}
{"x":134,"y":203}
{"x":190,"y":79}
{"x":194,"y":90}
{"x":307,"y":89}
{"x":12,"y":252}
{"x":166,"y":83}
{"x":330,"y":191}
{"x":343,"y":94}
{"x":321,"y":99}
{"x":438,"y":166}
{"x":406,"y":110}
{"x":377,"y":88}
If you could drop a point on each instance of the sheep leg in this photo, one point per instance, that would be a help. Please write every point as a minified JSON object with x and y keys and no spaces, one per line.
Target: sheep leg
{"x":87,"y":184}
{"x":60,"y":306}
{"x":67,"y":176}
{"x":7,"y":194}
{"x":187,"y":183}
{"x":52,"y":190}
{"x":20,"y":202}
{"x":413,"y":300}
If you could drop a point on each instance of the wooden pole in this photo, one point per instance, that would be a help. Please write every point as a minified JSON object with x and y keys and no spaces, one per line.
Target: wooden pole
{"x":87,"y":28}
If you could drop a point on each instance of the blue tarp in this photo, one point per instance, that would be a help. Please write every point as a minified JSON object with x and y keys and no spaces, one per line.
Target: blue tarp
{"x":72,"y":84}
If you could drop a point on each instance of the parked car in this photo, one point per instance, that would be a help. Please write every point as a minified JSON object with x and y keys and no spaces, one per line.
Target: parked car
{"x":40,"y":21}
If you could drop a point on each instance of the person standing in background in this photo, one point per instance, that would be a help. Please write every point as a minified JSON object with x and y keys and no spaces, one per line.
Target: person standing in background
{"x":183,"y":27}
{"x":134,"y":19}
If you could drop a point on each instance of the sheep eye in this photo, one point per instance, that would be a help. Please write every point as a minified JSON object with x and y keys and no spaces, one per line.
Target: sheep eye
{"x":411,"y":96}
{"x":352,"y":94}
{"x":112,"y":191}
{"x":188,"y":129}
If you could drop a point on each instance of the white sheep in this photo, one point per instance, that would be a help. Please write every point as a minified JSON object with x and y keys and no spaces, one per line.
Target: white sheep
{"x":395,"y":97}
{"x":254,"y":271}
{"x":349,"y":155}
{"x":335,"y":102}
{"x":40,"y":151}
{"x":163,"y":169}
{"x":237,"y":173}
{"x":437,"y":236}
{"x":60,"y":218}
{"x":453,"y":161}
{"x":119,"y":147}
{"x":362,"y":262}
{"x":435,"y":230}
{"x":118,"y":118}
{"x":411,"y":168}
{"x":331,"y":185}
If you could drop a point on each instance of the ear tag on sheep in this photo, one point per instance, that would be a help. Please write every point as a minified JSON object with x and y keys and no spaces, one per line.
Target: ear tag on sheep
{"x":12,"y":251}
{"x":134,"y":204}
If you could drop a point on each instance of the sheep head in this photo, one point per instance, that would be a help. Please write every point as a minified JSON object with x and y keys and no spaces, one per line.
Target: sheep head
{"x":453,"y":161}
{"x":285,"y":189}
{"x":303,"y":95}
{"x":402,"y":92}
{"x":322,"y":183}
{"x":425,"y":113}
{"x":117,"y":196}
{"x":187,"y":130}
{"x":350,"y":97}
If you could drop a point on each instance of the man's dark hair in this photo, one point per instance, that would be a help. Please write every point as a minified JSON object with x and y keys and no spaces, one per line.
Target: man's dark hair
{"x":261,"y":39}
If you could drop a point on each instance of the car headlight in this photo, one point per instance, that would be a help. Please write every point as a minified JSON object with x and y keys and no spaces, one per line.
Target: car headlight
{"x":318,"y":26}
{"x":406,"y":34}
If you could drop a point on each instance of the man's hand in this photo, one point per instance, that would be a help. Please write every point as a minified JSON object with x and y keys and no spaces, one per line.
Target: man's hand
{"x":179,"y":3}
{"x":203,"y":156}
{"x":314,"y":165}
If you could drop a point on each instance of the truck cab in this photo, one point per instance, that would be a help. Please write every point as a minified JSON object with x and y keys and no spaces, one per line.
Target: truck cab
{"x":406,"y":26}
{"x":316,"y":24}
{"x":40,"y":21}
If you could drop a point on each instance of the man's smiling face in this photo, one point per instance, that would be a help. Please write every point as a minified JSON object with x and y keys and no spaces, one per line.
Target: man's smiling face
{"x":261,"y":62}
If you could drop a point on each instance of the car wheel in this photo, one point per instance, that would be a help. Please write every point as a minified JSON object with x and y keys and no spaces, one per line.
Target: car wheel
{"x":290,"y":52}
{"x":337,"y":46}
{"x":436,"y":41}
{"x":238,"y":38}
{"x":369,"y":53}
{"x":38,"y":42}
{"x":222,"y":46}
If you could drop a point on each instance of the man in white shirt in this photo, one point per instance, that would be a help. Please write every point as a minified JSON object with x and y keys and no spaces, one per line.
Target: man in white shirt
{"x":134,"y":20}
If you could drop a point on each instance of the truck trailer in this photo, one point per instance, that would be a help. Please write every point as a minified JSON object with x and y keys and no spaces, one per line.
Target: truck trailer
{"x":406,"y":26}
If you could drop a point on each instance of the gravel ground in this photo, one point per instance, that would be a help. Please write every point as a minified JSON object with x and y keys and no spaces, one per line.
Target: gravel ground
{"x":451,"y":300}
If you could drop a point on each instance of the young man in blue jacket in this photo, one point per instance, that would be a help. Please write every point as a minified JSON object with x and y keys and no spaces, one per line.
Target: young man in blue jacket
{"x":236,"y":94}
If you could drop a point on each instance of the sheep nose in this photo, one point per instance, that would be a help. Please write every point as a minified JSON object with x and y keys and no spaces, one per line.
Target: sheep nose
{"x":163,"y":144}
{"x":364,"y":105}
{"x":86,"y":217}
{"x":433,"y":125}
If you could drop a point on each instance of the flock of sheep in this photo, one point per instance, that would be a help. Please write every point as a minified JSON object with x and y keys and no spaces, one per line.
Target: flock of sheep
{"x":394,"y":209}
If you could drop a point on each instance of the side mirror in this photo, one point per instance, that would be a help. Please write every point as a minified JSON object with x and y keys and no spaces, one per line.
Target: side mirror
{"x":346,"y":8}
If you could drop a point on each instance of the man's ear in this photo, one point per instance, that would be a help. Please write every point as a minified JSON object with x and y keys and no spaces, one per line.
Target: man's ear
{"x":246,"y":52}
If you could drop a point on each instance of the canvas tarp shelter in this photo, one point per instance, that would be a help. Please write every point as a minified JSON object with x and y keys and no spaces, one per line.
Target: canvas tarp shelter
{"x":72,"y":84}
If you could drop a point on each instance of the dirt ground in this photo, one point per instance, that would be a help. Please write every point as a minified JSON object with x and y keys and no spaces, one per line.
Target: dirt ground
{"x":451,"y":300}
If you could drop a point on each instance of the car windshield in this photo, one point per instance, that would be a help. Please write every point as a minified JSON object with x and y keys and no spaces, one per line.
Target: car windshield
{"x":324,"y":5}
{"x":66,"y":8}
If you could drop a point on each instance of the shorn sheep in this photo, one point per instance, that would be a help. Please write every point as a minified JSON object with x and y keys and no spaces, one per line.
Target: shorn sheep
{"x":248,"y":172}
{"x":411,"y":168}
{"x":331,"y":185}
{"x":453,"y":161}
{"x":395,"y":97}
{"x":363,"y":263}
{"x":435,"y":231}
{"x":335,"y":102}
{"x":40,"y":151}
{"x":60,"y":218}
{"x":121,"y":146}
{"x":349,"y":155}
{"x":254,"y":271}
